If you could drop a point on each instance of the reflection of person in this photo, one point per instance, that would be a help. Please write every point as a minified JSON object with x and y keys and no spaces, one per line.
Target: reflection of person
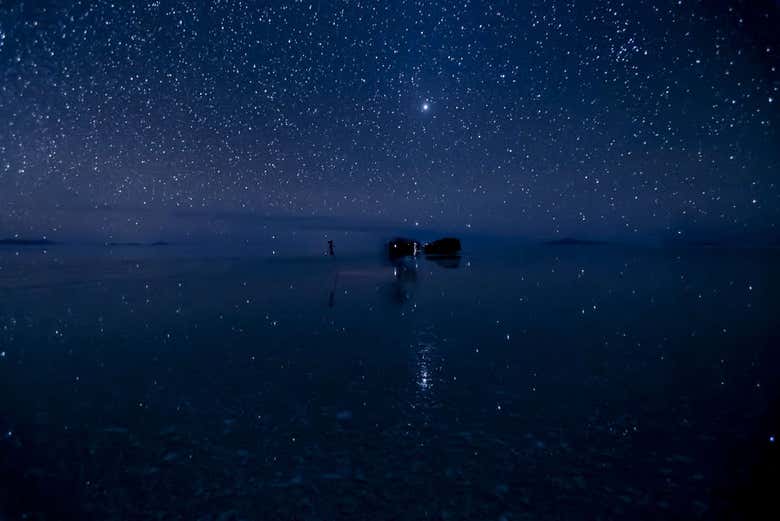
{"x":332,"y":294}
{"x":330,"y":247}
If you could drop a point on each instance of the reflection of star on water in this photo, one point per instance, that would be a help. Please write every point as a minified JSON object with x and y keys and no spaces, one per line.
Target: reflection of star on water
{"x":423,"y":366}
{"x":423,"y":382}
{"x":428,"y":368}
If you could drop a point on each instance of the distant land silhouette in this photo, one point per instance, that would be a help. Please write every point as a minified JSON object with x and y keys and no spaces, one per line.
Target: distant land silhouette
{"x":21,"y":241}
{"x":156,"y":243}
{"x":703,"y":243}
{"x":25,"y":242}
{"x":571,"y":241}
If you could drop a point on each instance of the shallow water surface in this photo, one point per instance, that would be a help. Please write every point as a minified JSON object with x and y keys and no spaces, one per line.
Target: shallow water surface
{"x":546,"y":382}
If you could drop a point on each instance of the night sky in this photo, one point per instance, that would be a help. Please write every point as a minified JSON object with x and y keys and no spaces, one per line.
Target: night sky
{"x":593,"y":118}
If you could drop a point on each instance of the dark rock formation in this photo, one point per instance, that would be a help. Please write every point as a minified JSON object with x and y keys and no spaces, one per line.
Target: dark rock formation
{"x":446,"y":246}
{"x":401,"y":247}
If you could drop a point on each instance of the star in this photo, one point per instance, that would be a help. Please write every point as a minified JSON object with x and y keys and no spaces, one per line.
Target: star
{"x":426,"y":106}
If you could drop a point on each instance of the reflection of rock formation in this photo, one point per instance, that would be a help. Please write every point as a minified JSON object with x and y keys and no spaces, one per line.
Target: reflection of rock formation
{"x":404,"y":281}
{"x":445,"y":261}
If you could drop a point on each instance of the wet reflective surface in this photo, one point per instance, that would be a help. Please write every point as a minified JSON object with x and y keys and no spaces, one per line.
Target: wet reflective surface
{"x":547,"y":382}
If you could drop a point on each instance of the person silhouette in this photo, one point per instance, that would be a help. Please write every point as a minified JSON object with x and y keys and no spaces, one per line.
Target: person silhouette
{"x":330,"y":248}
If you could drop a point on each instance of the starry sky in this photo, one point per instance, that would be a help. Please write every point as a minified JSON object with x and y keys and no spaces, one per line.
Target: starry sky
{"x":592,"y":118}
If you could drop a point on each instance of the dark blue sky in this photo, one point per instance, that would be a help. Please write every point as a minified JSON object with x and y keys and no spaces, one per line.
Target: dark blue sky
{"x":591,"y":118}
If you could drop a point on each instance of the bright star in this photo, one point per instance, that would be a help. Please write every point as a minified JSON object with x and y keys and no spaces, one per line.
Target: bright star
{"x":426,"y":106}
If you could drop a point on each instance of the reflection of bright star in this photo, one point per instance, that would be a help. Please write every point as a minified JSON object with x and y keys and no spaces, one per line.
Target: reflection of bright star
{"x":425,"y":107}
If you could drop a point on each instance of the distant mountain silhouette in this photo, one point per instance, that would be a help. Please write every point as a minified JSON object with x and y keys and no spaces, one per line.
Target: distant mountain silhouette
{"x":138,"y":244}
{"x":570,"y":241}
{"x":26,"y":242}
{"x":703,"y":243}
